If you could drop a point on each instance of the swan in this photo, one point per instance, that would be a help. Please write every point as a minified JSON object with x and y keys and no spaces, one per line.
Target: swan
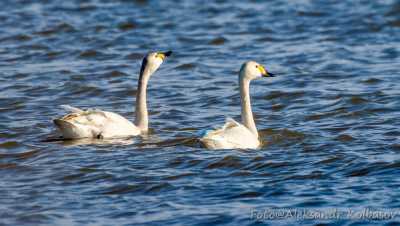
{"x":233,"y":134}
{"x":95,"y":123}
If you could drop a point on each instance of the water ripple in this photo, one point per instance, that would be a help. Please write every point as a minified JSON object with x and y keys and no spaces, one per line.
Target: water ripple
{"x":328,"y":121}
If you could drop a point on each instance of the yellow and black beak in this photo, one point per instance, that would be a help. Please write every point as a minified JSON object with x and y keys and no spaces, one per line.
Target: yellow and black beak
{"x":264,"y":72}
{"x":269,"y":74}
{"x":164,"y":55}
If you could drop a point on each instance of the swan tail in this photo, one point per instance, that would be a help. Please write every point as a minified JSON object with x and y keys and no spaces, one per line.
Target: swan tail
{"x":71,"y":131}
{"x":211,"y":142}
{"x":204,"y":132}
{"x":71,"y":109}
{"x":212,"y":139}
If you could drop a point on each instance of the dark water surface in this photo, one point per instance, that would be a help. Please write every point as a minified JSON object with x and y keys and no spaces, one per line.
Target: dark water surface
{"x":330,"y":121}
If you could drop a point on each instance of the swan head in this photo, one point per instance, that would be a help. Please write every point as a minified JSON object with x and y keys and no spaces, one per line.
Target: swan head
{"x":152,"y":61}
{"x":252,"y":70}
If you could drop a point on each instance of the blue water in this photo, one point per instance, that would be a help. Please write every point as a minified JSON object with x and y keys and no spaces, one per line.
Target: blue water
{"x":330,"y":119}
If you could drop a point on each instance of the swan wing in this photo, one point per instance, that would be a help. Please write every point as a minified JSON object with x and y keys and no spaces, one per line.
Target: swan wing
{"x":95,"y":123}
{"x":231,"y":135}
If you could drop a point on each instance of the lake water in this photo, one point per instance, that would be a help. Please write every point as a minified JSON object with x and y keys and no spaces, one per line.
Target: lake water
{"x":330,"y":119}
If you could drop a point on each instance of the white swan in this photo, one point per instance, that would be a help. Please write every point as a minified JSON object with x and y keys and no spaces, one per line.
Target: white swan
{"x":94,"y":123}
{"x":233,"y":134}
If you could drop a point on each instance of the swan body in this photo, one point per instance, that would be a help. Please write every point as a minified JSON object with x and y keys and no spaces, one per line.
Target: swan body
{"x":95,"y":123}
{"x":233,"y":134}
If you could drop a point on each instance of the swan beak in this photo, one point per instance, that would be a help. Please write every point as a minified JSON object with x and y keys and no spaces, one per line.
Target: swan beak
{"x":269,"y":74}
{"x":264,"y":72}
{"x":164,"y":55}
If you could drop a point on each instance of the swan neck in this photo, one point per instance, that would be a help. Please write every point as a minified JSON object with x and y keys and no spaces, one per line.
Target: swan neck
{"x":142,"y":118}
{"x":247,"y":114}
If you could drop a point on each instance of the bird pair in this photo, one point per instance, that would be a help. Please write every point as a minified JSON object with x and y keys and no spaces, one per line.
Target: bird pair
{"x":98,"y":124}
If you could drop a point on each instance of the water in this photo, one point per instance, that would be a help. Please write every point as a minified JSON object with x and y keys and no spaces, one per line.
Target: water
{"x":329,"y":120}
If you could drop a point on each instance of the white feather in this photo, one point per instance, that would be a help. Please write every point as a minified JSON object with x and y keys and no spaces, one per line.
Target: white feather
{"x":95,"y":124}
{"x":232,"y":135}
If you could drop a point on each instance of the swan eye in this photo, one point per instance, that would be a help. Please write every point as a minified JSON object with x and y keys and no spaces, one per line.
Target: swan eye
{"x":256,"y":66}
